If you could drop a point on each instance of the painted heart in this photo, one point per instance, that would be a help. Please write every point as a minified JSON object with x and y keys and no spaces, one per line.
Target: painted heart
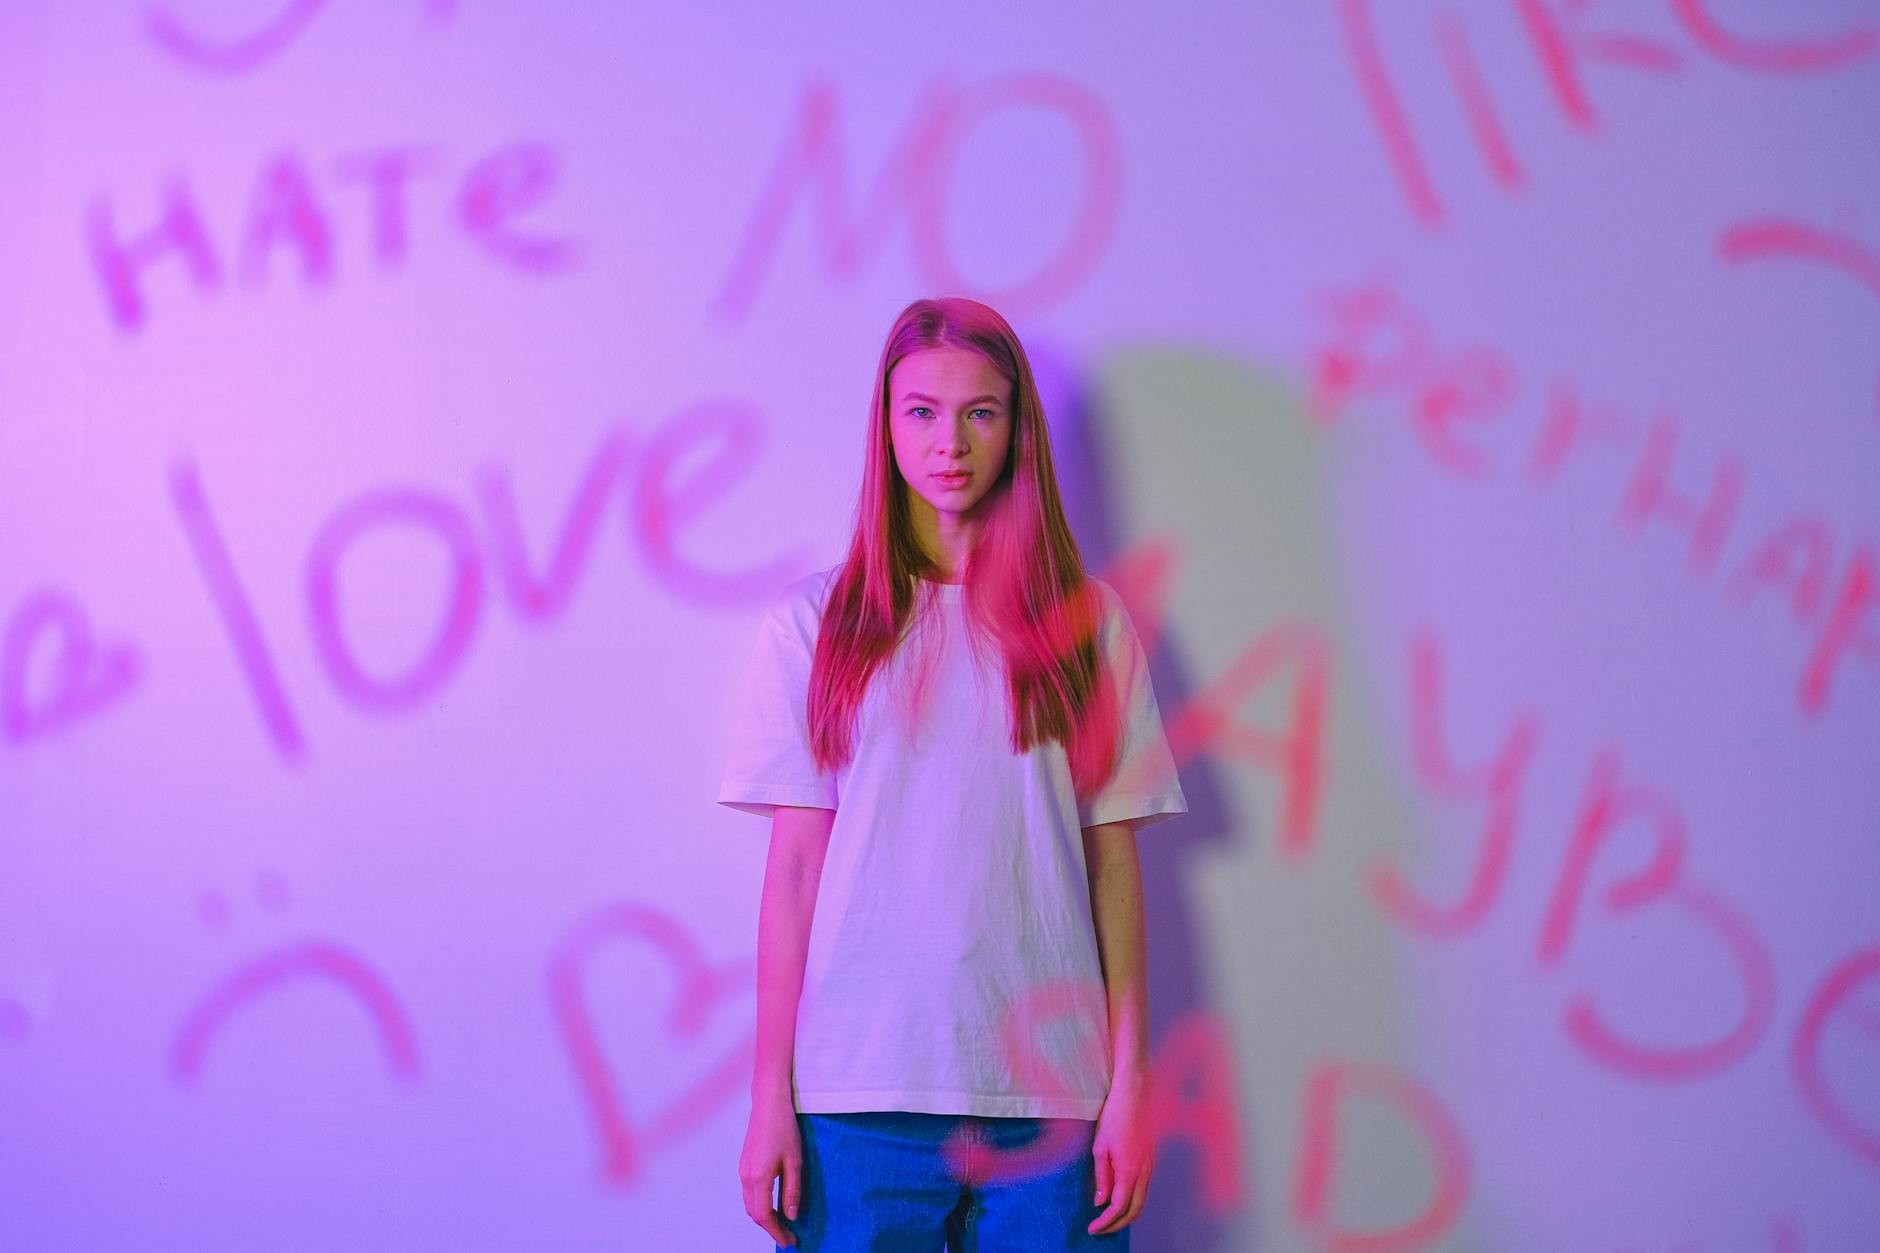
{"x":704,"y":989}
{"x":89,"y":675}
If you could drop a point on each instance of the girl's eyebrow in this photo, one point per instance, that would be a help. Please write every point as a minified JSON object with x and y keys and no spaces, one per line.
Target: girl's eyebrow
{"x":930,"y":400}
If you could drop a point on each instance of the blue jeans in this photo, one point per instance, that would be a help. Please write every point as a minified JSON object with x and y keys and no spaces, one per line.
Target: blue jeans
{"x":898,"y":1181}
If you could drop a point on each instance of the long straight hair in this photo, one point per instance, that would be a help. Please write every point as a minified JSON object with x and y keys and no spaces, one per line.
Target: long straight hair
{"x":1025,"y":590}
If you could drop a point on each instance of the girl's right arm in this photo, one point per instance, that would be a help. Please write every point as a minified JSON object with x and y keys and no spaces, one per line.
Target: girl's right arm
{"x":773,"y":1149}
{"x":799,"y":837}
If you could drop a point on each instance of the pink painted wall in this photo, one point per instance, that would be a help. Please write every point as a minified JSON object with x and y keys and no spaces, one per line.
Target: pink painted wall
{"x":406,"y":410}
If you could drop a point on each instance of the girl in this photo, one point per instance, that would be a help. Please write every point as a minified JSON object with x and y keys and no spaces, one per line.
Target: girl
{"x":954,"y":736}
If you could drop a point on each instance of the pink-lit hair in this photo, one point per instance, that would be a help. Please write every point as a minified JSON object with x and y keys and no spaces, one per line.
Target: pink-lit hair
{"x":1025,"y":587}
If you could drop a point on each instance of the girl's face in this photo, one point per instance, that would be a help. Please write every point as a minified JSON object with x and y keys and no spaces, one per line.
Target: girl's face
{"x":949,"y":410}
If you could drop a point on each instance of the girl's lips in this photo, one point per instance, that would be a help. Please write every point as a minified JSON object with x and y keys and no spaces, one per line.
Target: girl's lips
{"x":954,"y":480}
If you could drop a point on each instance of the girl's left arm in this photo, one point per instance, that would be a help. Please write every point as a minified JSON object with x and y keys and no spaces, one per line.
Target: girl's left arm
{"x":1124,"y":1145}
{"x":1116,"y":910}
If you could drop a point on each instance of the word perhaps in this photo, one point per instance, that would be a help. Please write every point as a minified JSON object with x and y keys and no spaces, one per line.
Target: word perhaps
{"x":1464,"y":405}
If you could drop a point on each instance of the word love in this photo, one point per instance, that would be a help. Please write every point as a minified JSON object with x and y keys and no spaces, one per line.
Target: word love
{"x":652,"y":490}
{"x":314,"y":218}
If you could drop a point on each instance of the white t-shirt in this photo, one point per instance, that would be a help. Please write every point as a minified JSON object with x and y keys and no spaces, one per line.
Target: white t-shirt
{"x":954,"y":903}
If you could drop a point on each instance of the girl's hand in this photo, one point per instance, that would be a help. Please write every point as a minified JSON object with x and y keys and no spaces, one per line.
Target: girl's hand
{"x":1124,"y":1150}
{"x":773,"y":1147}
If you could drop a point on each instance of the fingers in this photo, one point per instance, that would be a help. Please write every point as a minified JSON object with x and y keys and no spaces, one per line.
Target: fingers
{"x":1112,"y":1216}
{"x":757,"y":1205}
{"x":1132,"y":1192}
{"x":792,"y":1186}
{"x":1138,"y":1196}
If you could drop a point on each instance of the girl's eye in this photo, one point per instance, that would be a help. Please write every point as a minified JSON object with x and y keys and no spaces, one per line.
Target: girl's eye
{"x":920,"y":410}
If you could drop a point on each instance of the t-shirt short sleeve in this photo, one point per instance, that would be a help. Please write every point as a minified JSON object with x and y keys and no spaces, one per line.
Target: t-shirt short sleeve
{"x":769,"y":762}
{"x":1144,"y":790}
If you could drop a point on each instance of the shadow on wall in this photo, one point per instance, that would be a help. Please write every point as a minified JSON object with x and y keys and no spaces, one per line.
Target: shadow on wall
{"x":1238,"y":478}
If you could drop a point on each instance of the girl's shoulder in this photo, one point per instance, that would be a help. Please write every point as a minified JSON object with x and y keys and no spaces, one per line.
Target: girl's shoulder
{"x":799,"y":605}
{"x":1115,"y":629}
{"x":1109,"y":602}
{"x":1107,"y":596}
